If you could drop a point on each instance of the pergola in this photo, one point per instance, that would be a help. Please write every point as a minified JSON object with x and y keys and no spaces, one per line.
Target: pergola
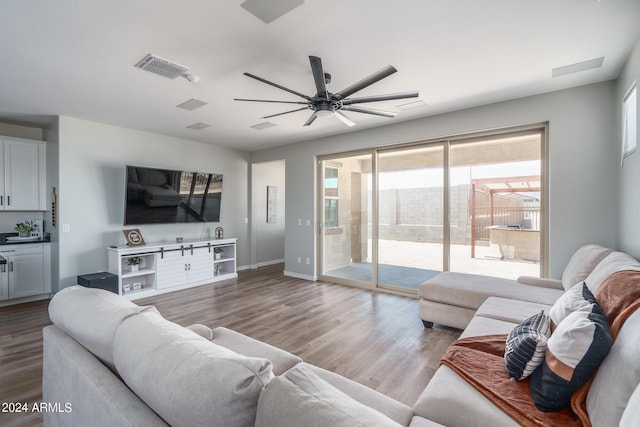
{"x":493,"y":186}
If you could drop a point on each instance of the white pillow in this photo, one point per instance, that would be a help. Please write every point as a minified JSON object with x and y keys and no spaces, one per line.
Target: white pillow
{"x":577,"y":298}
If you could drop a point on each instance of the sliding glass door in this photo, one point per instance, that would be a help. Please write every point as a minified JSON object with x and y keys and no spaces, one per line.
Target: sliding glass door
{"x":410,"y":215}
{"x":346,"y":216}
{"x":394,"y":217}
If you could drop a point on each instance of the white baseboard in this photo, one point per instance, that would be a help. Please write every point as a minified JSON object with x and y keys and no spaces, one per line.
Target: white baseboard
{"x":300,"y":276}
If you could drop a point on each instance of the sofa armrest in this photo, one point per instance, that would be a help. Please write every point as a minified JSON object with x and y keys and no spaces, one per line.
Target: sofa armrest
{"x":540,"y":282}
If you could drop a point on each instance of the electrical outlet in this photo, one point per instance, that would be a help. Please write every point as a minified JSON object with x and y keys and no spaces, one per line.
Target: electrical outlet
{"x":299,"y":260}
{"x":308,"y":260}
{"x":308,"y":223}
{"x":66,"y":228}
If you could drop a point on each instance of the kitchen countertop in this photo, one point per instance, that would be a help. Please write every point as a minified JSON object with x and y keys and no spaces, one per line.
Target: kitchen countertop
{"x":4,"y":241}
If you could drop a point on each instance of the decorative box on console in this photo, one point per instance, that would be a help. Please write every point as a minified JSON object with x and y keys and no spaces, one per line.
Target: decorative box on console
{"x":104,"y":280}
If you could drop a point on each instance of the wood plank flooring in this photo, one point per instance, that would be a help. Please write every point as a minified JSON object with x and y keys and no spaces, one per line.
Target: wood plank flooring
{"x":373,"y":338}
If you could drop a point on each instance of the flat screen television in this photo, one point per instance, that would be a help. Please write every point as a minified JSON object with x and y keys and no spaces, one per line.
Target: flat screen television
{"x":163,"y":196}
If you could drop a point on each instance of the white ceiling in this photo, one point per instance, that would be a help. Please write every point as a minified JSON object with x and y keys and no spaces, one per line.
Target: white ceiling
{"x":76,"y":58}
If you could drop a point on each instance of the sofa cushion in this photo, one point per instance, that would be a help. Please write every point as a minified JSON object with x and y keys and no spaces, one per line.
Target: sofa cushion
{"x":186,"y":379}
{"x":617,"y":377}
{"x":152,"y":177}
{"x":281,"y":360}
{"x":577,"y":298}
{"x":393,"y":409}
{"x":510,"y":310}
{"x":301,"y":398}
{"x":92,"y":316}
{"x":526,"y":345}
{"x":471,"y":290}
{"x":631,"y":413}
{"x":576,"y":348}
{"x":615,"y":261}
{"x":582,"y":263}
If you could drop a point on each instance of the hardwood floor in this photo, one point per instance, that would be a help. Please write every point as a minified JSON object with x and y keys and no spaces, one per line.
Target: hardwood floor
{"x":373,"y":338}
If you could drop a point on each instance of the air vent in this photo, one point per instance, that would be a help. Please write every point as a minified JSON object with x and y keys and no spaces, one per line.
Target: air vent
{"x":577,"y":67}
{"x":191,"y":104}
{"x":263,"y":125}
{"x":161,"y":66}
{"x":199,"y":126}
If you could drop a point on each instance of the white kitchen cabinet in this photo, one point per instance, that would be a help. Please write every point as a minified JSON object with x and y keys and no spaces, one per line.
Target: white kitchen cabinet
{"x":27,"y":272}
{"x":23,"y":181}
{"x":4,"y":283}
{"x":171,"y":266}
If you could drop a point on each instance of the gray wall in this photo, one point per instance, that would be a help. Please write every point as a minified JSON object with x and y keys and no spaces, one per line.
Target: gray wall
{"x":92,"y":159}
{"x":582,"y":163}
{"x":629,"y":173}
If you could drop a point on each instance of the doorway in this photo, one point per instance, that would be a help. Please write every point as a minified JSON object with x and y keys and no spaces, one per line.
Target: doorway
{"x":267,"y":213}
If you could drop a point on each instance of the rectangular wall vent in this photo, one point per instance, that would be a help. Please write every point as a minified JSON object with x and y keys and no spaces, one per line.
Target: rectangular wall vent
{"x":163,"y":67}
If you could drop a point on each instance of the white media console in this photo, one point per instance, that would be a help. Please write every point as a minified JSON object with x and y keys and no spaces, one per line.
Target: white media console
{"x":166,"y":267}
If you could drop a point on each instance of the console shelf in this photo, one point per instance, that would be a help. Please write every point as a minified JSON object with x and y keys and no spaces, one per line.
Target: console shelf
{"x":168,"y":266}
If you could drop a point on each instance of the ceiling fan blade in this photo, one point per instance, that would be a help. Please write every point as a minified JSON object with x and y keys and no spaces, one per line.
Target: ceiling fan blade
{"x":311,"y":119}
{"x":367,"y":81}
{"x":267,"y":100}
{"x":286,"y":112}
{"x":344,"y":119}
{"x":370,"y":111}
{"x":260,"y":79}
{"x":318,"y":76}
{"x":376,"y":98}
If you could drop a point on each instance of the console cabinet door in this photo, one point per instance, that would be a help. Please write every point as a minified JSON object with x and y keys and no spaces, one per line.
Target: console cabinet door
{"x":26,"y":275}
{"x":172,"y":270}
{"x":200,"y":265}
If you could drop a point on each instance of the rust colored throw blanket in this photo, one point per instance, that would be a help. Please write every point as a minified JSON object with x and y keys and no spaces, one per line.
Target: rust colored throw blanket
{"x":480,"y":360}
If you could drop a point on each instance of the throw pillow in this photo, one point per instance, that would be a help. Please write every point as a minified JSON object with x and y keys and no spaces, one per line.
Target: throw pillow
{"x":577,"y":298}
{"x":526,"y":346}
{"x":575,"y":349}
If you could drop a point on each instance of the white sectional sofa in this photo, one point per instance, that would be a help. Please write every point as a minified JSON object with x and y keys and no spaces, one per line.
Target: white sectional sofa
{"x":614,"y":395}
{"x":113,"y":363}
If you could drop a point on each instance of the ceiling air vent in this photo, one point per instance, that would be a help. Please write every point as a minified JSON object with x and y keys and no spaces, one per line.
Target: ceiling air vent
{"x":161,"y":66}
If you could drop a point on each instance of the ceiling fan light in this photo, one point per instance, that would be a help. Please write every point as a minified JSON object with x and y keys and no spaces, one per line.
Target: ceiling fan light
{"x":324,"y":113}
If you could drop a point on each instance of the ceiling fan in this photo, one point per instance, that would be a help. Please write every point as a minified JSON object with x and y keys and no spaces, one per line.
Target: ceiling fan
{"x":327,"y":103}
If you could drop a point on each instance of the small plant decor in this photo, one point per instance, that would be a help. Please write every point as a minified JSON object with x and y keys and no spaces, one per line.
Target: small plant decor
{"x":24,"y":229}
{"x":134,"y":262}
{"x":217,"y":252}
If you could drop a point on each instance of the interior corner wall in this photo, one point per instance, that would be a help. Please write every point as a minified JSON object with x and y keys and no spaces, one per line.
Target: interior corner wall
{"x":92,"y":159}
{"x":628,"y":232}
{"x":268,"y":238}
{"x":582,"y":166}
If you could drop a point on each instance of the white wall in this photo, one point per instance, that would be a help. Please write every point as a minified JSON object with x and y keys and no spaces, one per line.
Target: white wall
{"x":267,"y":239}
{"x":629,"y":174}
{"x":92,"y":182}
{"x":582,"y":166}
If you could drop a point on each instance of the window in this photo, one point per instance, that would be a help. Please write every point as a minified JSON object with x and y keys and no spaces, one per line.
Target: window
{"x":330,"y":197}
{"x":629,"y":122}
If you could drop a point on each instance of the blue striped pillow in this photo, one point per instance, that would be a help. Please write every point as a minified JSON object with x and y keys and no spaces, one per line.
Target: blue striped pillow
{"x":526,"y":346}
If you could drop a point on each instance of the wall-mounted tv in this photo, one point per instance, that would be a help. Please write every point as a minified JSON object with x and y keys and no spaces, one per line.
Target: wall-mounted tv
{"x":162,"y":196}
